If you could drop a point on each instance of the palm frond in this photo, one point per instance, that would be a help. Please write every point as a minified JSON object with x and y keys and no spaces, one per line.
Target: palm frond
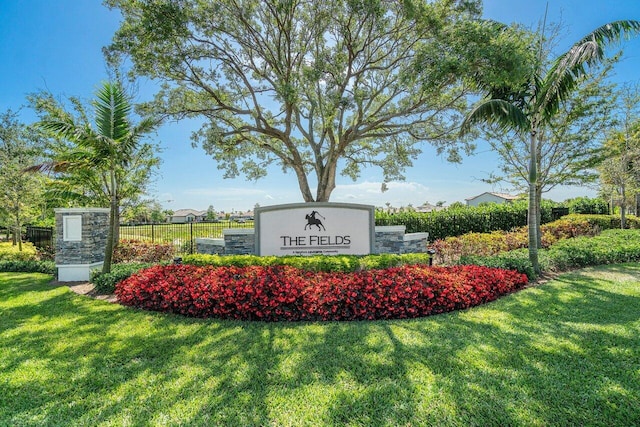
{"x":65,"y":128}
{"x":112,"y":109}
{"x":498,"y":112}
{"x":47,"y":167}
{"x":569,"y":68}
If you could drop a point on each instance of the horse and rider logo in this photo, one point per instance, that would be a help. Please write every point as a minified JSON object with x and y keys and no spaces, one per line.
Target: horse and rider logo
{"x":312,"y":220}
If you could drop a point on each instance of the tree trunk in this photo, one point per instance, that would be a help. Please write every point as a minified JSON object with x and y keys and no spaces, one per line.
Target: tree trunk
{"x":327,"y":181}
{"x":623,"y":208}
{"x":108,"y":250}
{"x":18,"y":231}
{"x":303,"y":183}
{"x":532,"y":216}
{"x":539,"y":215}
{"x":113,"y":216}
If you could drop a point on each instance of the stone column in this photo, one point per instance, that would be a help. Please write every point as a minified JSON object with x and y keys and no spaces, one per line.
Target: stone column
{"x":81,"y":239}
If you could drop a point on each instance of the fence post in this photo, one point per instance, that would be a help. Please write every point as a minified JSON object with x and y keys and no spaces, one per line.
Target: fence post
{"x":153,"y":234}
{"x":191,"y":238}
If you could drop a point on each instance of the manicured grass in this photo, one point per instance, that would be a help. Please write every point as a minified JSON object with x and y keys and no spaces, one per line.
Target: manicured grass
{"x":563,"y":353}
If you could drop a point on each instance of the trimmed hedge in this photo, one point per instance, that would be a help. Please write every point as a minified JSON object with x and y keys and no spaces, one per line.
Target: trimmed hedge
{"x":610,"y":247}
{"x":285,"y":293}
{"x":609,"y":222}
{"x":586,"y":205}
{"x":105,"y":283}
{"x":456,"y":221}
{"x":29,"y":266}
{"x":26,"y":261}
{"x":343,"y":263}
{"x":461,"y":220}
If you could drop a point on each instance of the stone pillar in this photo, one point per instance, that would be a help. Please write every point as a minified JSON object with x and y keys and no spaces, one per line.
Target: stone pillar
{"x":389,"y":239}
{"x":239,"y":241}
{"x":81,"y":239}
{"x":206,"y":245}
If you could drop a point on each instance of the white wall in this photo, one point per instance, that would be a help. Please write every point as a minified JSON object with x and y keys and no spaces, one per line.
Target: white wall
{"x":485,"y":198}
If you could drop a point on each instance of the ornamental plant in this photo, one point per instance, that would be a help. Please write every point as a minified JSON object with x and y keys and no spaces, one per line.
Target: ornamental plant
{"x":129,"y":250}
{"x":285,"y":293}
{"x":451,"y":249}
{"x":10,"y":252}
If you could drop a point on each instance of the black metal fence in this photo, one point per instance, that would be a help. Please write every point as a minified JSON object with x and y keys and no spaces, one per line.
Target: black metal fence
{"x":182,"y":236}
{"x":4,"y":233}
{"x":41,"y":237}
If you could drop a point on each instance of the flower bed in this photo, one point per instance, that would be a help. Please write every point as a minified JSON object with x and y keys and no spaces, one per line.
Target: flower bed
{"x":278,"y":293}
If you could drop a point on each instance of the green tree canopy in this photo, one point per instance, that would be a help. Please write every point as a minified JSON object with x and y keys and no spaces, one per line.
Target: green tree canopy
{"x":620,"y":171}
{"x":569,"y":144}
{"x":318,"y":87}
{"x":20,"y":193}
{"x":534,"y":108}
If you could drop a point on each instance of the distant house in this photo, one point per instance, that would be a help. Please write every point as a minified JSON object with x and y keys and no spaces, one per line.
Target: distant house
{"x":182,"y":216}
{"x":488,"y":197}
{"x":242,"y":216}
{"x":428,"y":207}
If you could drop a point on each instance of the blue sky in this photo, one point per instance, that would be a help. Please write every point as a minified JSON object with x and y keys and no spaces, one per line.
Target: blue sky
{"x":56,"y":46}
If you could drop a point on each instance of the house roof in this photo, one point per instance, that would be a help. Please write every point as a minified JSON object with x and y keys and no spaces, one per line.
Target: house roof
{"x":428,"y":207}
{"x":499,"y":195}
{"x":185,"y":212}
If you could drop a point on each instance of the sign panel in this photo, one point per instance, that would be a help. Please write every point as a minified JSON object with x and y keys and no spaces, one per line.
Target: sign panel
{"x":72,"y":228}
{"x":315,"y":229}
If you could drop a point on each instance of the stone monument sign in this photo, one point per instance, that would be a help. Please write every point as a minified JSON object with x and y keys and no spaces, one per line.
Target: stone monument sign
{"x":315,"y":229}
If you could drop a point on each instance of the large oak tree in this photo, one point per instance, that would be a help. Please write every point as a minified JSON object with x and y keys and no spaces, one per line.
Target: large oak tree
{"x":318,"y":87}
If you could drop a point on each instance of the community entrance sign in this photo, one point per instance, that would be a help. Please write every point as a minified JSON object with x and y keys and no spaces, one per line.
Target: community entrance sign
{"x":315,"y":229}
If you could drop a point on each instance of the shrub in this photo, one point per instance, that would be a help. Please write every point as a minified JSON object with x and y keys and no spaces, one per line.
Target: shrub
{"x":344,"y":263}
{"x":568,"y":227}
{"x":456,"y":221}
{"x":106,"y":282}
{"x":28,"y":266}
{"x":517,"y":260}
{"x":136,"y":251}
{"x":607,"y":222}
{"x":611,"y":246}
{"x":10,"y":252}
{"x":452,"y":249}
{"x":277,"y":293}
{"x":586,"y":205}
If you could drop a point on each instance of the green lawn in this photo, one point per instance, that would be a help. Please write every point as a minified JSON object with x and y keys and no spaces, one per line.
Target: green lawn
{"x":563,"y":353}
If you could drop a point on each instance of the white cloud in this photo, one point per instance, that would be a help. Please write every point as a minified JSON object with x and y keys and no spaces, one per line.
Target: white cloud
{"x":370,"y":192}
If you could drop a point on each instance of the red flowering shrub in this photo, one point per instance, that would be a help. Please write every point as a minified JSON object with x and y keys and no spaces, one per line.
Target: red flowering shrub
{"x":286,"y":293}
{"x":129,"y":251}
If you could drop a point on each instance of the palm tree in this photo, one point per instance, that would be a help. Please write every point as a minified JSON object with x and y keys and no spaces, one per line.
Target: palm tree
{"x":108,"y":146}
{"x":532,"y":110}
